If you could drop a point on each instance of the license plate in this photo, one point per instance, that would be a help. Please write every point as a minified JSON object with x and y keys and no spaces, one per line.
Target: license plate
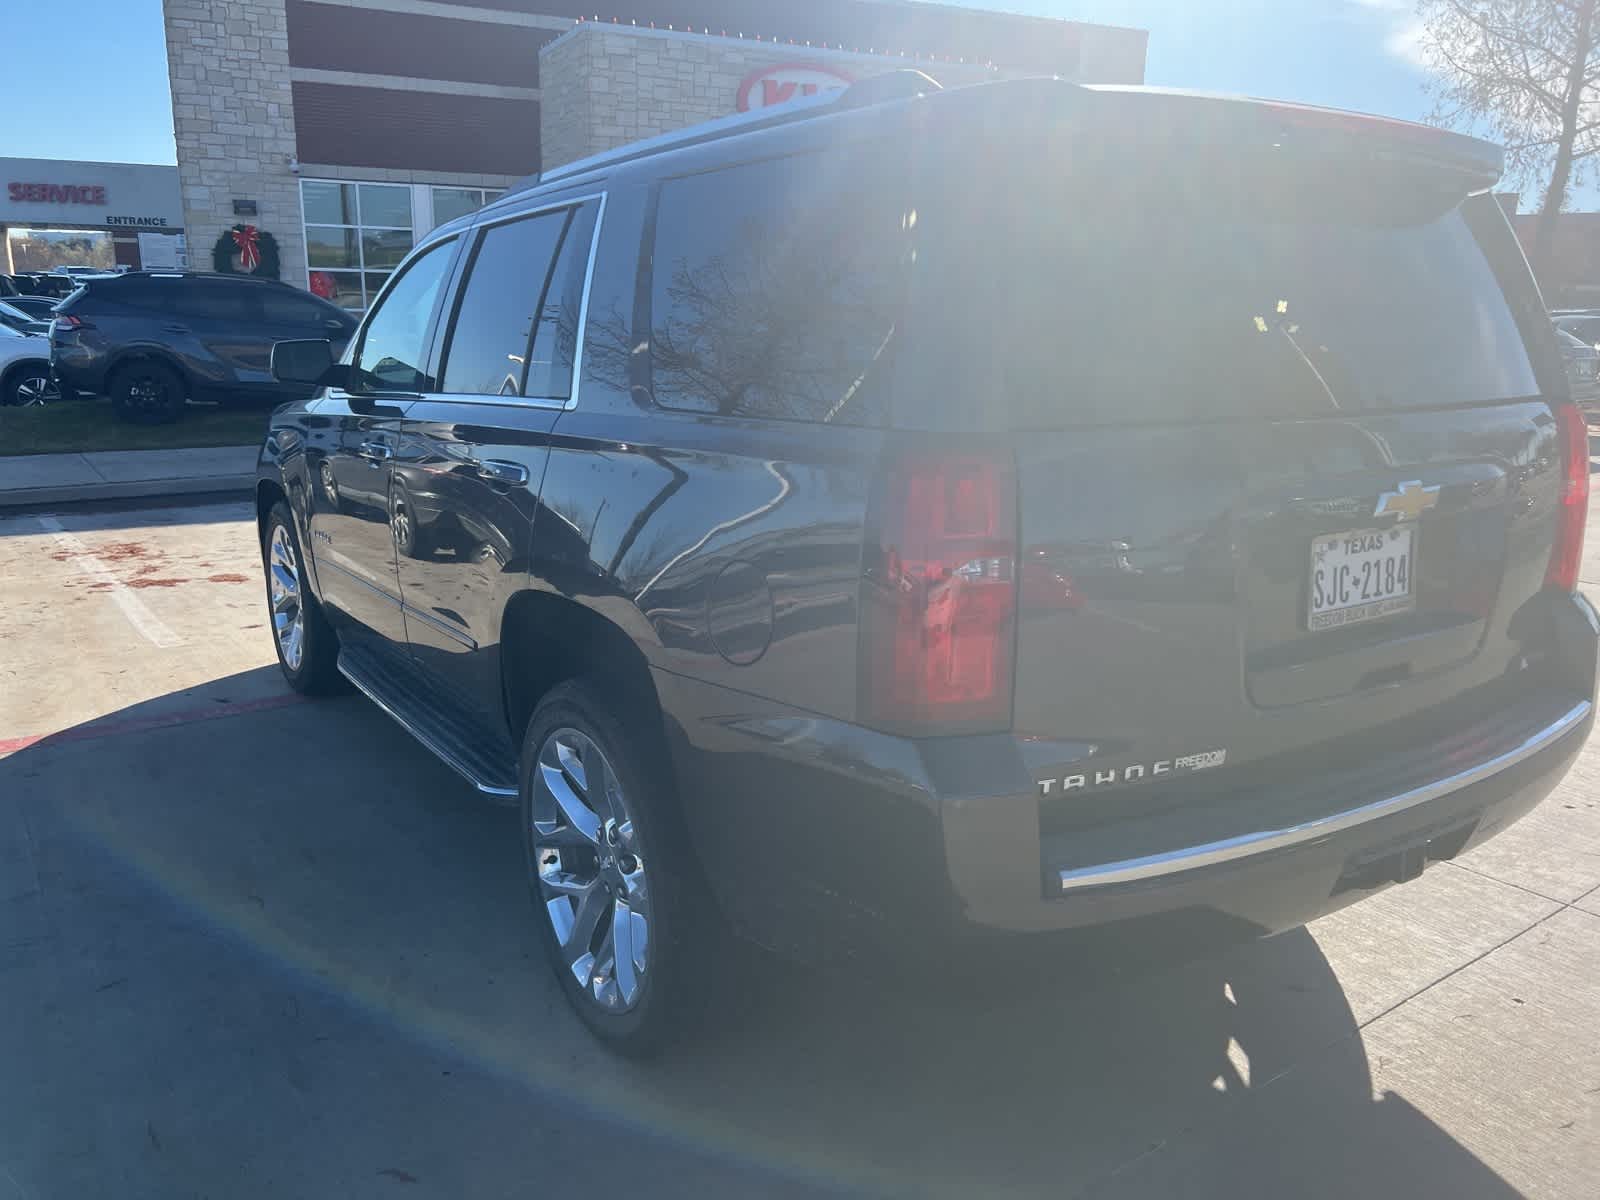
{"x":1361,"y":576}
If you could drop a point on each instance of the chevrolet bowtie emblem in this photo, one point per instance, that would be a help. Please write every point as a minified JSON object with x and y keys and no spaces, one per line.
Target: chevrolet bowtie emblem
{"x":1408,"y":502}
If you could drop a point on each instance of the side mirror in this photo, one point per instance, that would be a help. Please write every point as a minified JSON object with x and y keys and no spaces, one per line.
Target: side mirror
{"x":308,"y":362}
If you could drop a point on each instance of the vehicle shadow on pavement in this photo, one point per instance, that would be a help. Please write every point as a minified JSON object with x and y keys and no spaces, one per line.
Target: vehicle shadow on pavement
{"x":281,"y":951}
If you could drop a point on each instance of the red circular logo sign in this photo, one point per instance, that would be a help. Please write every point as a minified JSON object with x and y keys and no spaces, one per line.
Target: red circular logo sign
{"x":788,"y":81}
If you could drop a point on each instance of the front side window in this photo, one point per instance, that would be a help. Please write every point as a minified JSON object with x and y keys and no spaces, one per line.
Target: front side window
{"x":777,"y":286}
{"x":394,"y":347}
{"x":294,"y":308}
{"x":515,"y":327}
{"x":356,"y":235}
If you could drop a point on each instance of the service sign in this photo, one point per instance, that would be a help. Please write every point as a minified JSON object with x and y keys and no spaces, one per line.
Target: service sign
{"x":56,"y":193}
{"x":789,"y":81}
{"x":44,"y":193}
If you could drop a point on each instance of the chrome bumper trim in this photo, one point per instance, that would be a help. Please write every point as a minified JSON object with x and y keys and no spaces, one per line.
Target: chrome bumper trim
{"x":1267,"y":841}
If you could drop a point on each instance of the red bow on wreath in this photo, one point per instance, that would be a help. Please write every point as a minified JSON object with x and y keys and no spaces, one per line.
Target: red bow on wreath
{"x":246,"y":238}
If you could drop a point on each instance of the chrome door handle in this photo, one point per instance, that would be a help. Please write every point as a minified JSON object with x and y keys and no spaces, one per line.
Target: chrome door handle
{"x":376,"y":452}
{"x":503,"y":472}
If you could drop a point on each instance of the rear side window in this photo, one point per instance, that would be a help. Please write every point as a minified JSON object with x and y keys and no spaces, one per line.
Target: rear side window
{"x":213,"y":301}
{"x":514,"y":328}
{"x":1085,"y":288}
{"x":776,"y":288}
{"x":150,"y":295}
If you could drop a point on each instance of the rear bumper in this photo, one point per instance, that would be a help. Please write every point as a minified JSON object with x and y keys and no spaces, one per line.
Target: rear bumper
{"x":1351,"y":822}
{"x":1272,"y":879}
{"x":819,"y":835}
{"x":77,"y":366}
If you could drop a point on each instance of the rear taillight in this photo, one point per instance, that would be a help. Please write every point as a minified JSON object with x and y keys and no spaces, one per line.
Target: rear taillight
{"x":939,"y":598}
{"x":67,"y":322}
{"x":1572,"y":508}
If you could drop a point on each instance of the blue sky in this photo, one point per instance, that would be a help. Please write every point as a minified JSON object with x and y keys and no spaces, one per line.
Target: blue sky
{"x":1347,"y":53}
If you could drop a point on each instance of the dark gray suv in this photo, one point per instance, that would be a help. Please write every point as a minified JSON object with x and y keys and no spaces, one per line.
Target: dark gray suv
{"x":154,"y":340}
{"x":797,"y":520}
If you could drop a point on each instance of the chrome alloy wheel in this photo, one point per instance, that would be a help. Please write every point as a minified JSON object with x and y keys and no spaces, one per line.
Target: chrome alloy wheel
{"x":400,"y":523}
{"x":288,"y":613}
{"x":591,"y":875}
{"x":36,"y":389}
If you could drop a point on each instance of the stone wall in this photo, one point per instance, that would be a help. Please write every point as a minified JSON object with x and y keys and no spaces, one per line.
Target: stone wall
{"x":233,"y":116}
{"x":565,"y":127}
{"x":605,"y":86}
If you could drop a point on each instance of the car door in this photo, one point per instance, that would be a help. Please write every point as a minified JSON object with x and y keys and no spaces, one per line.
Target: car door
{"x":288,"y":314}
{"x":350,"y":455}
{"x":474,"y":450}
{"x":217,"y":322}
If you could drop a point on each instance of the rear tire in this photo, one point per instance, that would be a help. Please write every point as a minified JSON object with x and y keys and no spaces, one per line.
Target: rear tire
{"x":602,"y":835}
{"x":148,"y":393}
{"x":308,"y":648}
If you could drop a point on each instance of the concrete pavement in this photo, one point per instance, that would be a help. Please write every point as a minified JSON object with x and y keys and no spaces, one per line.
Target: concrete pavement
{"x":33,"y":479}
{"x":255,"y":946}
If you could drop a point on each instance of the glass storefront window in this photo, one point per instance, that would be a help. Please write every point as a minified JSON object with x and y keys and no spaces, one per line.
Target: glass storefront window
{"x":328,"y":203}
{"x":452,"y":202}
{"x":331,"y":247}
{"x":338,"y":287}
{"x":386,"y":204}
{"x":356,"y":233}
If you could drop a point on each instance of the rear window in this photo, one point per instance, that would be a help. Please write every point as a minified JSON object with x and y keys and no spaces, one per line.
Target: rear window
{"x":1083,"y":291}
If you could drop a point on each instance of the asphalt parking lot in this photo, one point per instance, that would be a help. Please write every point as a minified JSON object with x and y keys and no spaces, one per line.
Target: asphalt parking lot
{"x":254,"y":946}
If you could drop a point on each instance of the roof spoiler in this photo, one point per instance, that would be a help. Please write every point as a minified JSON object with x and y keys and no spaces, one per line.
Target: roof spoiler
{"x":1312,"y":131}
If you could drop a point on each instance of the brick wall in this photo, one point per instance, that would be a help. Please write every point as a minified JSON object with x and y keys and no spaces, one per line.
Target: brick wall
{"x":605,"y":87}
{"x":233,"y":116}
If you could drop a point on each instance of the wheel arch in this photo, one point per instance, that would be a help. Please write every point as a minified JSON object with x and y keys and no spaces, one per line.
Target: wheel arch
{"x":548,"y":639}
{"x":268,"y":493}
{"x":142,"y":353}
{"x":22,"y":364}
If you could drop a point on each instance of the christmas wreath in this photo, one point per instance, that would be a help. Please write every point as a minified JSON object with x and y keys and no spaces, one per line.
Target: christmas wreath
{"x":246,"y":250}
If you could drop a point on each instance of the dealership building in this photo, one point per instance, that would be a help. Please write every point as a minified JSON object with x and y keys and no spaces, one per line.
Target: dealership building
{"x":346,"y":129}
{"x":103,"y":214}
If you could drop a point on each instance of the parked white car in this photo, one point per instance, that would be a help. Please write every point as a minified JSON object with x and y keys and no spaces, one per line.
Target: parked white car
{"x":25,"y":368}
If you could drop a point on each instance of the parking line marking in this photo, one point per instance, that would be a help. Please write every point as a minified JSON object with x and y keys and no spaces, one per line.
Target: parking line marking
{"x":154,"y":630}
{"x":92,"y":730}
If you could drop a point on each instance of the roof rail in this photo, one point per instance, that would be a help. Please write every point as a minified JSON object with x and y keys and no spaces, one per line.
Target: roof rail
{"x":876,"y":89}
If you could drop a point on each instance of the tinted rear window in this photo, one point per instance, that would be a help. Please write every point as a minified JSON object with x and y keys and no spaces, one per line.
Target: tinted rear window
{"x":1086,"y":291}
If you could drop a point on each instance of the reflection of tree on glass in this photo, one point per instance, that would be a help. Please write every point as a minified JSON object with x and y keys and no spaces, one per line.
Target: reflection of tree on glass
{"x":781,"y":294}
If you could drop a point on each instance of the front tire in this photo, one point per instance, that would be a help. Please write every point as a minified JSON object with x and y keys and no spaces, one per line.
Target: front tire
{"x":609,"y":868}
{"x":308,"y":648}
